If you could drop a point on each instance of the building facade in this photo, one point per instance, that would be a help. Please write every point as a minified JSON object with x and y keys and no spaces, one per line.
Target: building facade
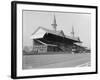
{"x":45,"y":40}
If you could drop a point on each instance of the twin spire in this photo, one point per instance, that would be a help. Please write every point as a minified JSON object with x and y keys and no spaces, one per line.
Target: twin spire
{"x":72,"y":33}
{"x":54,"y":24}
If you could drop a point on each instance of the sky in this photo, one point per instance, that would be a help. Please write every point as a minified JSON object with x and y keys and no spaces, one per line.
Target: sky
{"x":65,"y":20}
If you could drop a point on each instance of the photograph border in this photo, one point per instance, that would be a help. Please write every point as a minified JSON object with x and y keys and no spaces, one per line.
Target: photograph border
{"x":14,"y":38}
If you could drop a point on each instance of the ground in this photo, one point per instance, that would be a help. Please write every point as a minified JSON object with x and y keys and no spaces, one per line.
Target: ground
{"x":55,"y":60}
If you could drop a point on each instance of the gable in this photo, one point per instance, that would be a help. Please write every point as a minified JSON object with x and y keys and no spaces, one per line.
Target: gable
{"x":39,"y":33}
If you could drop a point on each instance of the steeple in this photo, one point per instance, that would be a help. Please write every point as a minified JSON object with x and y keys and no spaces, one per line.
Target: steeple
{"x":72,"y":33}
{"x":54,"y":23}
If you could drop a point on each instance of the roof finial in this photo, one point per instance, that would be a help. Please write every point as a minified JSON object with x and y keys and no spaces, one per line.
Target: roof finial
{"x":54,"y":23}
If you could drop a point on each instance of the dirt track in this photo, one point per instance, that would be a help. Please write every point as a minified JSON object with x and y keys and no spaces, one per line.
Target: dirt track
{"x":54,"y":60}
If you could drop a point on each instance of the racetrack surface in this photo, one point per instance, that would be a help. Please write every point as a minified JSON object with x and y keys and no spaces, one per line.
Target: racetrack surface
{"x":55,"y":60}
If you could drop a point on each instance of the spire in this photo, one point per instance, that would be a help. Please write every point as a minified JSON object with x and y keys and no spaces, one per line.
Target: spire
{"x":54,"y":23}
{"x":72,"y":33}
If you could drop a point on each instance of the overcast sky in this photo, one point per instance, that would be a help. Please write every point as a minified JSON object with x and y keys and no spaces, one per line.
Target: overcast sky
{"x":81,"y":23}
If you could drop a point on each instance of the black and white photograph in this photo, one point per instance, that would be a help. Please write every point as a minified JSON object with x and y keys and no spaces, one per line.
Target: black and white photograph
{"x":54,"y":39}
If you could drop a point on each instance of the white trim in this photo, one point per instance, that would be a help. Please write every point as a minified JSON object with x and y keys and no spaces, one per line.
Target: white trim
{"x":46,"y":44}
